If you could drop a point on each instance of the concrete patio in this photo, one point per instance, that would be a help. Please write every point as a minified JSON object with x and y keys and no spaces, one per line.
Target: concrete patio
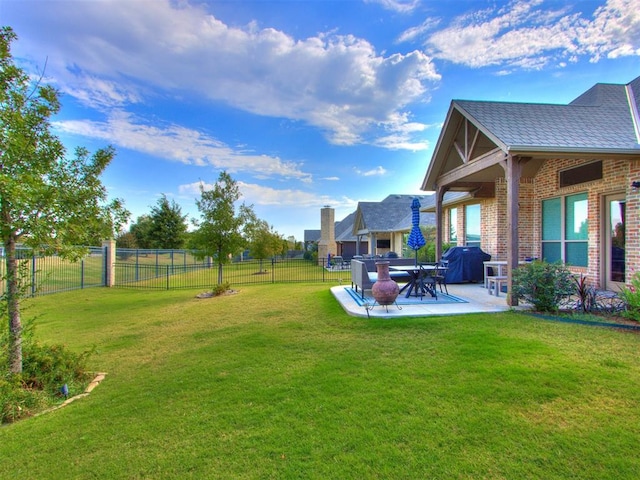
{"x":475,"y":296}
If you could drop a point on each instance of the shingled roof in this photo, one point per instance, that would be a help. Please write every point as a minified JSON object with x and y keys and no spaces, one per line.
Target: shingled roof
{"x":393,"y":214}
{"x":604,"y":118}
{"x":344,"y":229}
{"x":604,"y":121}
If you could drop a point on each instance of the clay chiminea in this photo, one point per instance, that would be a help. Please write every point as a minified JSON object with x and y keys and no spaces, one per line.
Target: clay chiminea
{"x":385,"y":290}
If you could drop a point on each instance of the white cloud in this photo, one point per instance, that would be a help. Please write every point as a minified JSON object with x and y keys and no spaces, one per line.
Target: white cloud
{"x":400,"y":6}
{"x":253,"y":194}
{"x":614,"y":32}
{"x":525,"y":35}
{"x":181,"y":144}
{"x":416,"y":32}
{"x":112,"y":53}
{"x":375,"y":172}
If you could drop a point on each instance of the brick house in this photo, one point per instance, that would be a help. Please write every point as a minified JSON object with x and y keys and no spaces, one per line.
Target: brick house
{"x":555,"y":182}
{"x":385,"y":225}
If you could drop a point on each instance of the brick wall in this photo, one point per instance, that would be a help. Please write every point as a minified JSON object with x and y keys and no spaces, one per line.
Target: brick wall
{"x":617,"y":178}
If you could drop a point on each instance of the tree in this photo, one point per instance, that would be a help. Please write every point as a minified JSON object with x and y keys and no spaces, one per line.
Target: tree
{"x":168,"y":226}
{"x":220,"y":227}
{"x":47,"y":201}
{"x":126,"y":240}
{"x":263,"y":241}
{"x":141,"y":229}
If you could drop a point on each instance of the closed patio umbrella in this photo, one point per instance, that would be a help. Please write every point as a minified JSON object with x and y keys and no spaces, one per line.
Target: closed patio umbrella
{"x":416,"y":240}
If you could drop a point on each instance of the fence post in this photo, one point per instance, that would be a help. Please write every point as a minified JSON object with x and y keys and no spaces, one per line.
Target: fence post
{"x":34,"y":270}
{"x":109,"y":247}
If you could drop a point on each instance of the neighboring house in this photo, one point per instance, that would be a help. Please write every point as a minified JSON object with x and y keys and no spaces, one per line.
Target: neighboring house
{"x":384,"y":225}
{"x":347,"y":242}
{"x":311,"y":237}
{"x":555,"y":182}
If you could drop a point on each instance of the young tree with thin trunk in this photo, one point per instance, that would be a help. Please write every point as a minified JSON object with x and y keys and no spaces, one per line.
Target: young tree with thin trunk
{"x":47,"y":201}
{"x":263,"y":241}
{"x":220,"y":227}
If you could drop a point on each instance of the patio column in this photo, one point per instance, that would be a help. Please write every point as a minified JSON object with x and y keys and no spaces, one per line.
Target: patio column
{"x":513,"y":169}
{"x":439,"y":227}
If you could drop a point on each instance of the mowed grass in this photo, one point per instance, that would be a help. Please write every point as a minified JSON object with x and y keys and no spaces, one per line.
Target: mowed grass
{"x":277,"y":381}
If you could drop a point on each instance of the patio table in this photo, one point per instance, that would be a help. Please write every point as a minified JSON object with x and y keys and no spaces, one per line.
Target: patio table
{"x":421,"y":279}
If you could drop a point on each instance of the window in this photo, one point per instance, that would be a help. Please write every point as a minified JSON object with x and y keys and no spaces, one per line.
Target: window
{"x":453,"y":225}
{"x":472,"y":225}
{"x":565,"y":230}
{"x":582,"y":174}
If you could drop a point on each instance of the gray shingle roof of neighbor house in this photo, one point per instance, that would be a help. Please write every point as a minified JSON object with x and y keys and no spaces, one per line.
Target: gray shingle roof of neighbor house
{"x":344,"y":228}
{"x":392,"y":214}
{"x":604,"y":118}
{"x":312,"y":235}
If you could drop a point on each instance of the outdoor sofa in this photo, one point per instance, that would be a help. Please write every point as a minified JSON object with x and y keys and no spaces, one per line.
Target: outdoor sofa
{"x":364,"y":273}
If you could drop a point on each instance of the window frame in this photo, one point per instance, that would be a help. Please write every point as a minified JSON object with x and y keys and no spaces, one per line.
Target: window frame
{"x":453,"y":225}
{"x":472,"y":243}
{"x":566,"y":244}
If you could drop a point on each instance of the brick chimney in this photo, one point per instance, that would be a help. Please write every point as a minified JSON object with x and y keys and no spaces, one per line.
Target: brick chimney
{"x":327,"y":243}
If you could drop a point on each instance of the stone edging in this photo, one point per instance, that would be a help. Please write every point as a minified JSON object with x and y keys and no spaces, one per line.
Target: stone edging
{"x":94,"y":383}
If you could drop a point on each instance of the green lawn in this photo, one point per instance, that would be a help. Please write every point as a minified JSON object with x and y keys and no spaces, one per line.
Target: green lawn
{"x":277,"y":381}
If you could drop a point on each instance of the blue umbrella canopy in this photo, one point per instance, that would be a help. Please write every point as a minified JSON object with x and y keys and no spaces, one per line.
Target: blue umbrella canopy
{"x":416,"y":240}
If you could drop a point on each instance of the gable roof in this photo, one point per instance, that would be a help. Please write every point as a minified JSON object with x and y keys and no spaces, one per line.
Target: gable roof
{"x":598,"y":120}
{"x":344,"y":229}
{"x":393,"y":214}
{"x":602,"y":120}
{"x":312,"y":235}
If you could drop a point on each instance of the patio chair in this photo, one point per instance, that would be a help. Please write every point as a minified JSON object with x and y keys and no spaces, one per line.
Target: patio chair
{"x":441,"y":275}
{"x":427,"y":282}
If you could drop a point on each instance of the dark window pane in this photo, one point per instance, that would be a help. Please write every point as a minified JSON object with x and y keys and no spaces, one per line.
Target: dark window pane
{"x":583,"y":173}
{"x":551,"y":219}
{"x":576,"y":254}
{"x":551,"y":252}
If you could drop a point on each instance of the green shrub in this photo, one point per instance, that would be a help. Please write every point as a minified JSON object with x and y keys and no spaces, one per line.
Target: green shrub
{"x":18,"y":401}
{"x":630,"y":295}
{"x":544,"y":285}
{"x":45,"y":369}
{"x":221,"y":288}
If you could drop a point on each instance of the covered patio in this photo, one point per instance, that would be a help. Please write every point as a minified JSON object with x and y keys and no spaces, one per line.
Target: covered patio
{"x":553,"y":182}
{"x":467,"y":298}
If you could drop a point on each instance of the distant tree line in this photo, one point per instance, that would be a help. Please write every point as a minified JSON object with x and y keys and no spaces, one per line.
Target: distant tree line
{"x":223,"y":231}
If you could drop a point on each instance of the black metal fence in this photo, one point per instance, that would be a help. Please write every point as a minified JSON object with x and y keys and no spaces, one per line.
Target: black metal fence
{"x":206,"y":275}
{"x":165,"y":269}
{"x":51,"y":273}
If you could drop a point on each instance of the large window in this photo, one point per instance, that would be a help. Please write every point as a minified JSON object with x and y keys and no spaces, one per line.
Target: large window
{"x":472,"y":225}
{"x":565,"y":230}
{"x":453,"y":226}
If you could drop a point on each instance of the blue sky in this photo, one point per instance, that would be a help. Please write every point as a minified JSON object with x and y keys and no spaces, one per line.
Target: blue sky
{"x":305,"y":103}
